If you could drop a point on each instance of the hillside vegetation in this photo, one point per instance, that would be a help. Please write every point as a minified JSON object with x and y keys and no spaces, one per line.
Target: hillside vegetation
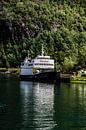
{"x":60,"y":25}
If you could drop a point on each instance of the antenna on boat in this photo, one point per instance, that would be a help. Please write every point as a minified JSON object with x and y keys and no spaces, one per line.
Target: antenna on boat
{"x":42,"y":50}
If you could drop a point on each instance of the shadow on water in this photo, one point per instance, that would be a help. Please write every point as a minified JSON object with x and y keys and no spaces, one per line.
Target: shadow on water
{"x":41,"y":106}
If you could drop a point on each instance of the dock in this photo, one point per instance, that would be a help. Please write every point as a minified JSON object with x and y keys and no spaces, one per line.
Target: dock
{"x":65,"y":78}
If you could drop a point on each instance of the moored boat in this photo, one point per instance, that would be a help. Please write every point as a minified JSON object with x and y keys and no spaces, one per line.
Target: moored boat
{"x":39,"y":69}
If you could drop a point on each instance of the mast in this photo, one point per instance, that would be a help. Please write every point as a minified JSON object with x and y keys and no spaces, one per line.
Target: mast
{"x":42,"y":50}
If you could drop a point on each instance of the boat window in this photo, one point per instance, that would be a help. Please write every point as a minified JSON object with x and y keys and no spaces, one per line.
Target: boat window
{"x":45,"y":64}
{"x":29,"y":64}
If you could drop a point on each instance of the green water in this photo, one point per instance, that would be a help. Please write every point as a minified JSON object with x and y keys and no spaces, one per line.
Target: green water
{"x":40,"y":106}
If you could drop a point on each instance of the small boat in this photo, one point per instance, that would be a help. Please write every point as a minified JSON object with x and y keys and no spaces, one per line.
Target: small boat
{"x":39,"y":69}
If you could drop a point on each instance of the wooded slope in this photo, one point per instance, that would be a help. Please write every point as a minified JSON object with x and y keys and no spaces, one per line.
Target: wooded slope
{"x":59,"y":25}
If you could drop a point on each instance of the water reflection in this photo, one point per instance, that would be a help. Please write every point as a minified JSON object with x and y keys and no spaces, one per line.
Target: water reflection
{"x":70,"y":106}
{"x":38,"y":106}
{"x":10,"y":118}
{"x":80,"y":89}
{"x":38,"y":102}
{"x":26,"y":92}
{"x":43,"y":106}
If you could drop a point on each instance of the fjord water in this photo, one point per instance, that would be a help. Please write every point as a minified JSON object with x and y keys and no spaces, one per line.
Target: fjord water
{"x":39,"y":106}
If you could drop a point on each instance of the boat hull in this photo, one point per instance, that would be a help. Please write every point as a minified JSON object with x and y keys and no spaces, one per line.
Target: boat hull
{"x":44,"y":77}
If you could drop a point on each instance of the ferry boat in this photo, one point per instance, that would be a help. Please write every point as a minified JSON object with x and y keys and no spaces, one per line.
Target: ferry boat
{"x":39,"y":69}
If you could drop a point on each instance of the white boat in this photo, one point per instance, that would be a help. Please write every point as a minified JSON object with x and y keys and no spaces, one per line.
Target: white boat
{"x":40,"y":68}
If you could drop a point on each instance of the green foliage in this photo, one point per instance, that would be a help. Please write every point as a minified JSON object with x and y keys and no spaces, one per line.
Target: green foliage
{"x":58,"y":24}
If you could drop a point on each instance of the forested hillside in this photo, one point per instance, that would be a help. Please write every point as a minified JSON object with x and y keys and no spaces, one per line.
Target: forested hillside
{"x":60,"y":25}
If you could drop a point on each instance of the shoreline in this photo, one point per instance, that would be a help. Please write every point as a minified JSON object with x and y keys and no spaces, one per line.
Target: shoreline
{"x":6,"y":71}
{"x":63,"y":77}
